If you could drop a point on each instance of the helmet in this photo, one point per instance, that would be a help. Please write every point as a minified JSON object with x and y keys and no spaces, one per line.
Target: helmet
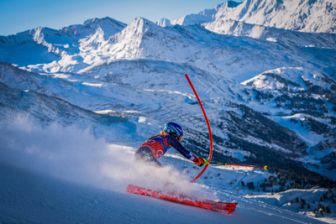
{"x":174,"y":129}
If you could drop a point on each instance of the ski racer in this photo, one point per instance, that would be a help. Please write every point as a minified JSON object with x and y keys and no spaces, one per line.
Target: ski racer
{"x":156,"y":146}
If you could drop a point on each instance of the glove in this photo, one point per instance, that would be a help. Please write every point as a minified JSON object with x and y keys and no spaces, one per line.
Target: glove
{"x":199,"y":161}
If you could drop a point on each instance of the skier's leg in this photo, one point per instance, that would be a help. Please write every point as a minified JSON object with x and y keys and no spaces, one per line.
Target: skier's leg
{"x":145,"y":154}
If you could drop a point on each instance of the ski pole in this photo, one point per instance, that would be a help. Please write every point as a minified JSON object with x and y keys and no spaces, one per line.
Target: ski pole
{"x":264,"y":167}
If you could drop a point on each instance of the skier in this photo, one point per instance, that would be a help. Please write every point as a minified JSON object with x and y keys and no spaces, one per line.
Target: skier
{"x":156,"y":146}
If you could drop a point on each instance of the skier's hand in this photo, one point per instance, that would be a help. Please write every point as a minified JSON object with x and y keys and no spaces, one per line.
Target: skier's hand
{"x":199,"y":161}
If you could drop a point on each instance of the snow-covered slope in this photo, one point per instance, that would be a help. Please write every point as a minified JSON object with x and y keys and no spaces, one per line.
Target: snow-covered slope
{"x":306,"y":16}
{"x":314,"y":202}
{"x":174,"y":94}
{"x":121,"y":86}
{"x":305,"y":103}
{"x":43,"y":100}
{"x":30,"y":198}
{"x":122,"y":89}
{"x":272,"y":34}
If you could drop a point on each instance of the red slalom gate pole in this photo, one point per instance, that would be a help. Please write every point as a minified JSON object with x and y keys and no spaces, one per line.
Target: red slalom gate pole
{"x":208,"y":125}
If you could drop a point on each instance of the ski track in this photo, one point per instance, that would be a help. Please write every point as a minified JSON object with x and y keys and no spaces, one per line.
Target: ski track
{"x":259,"y":207}
{"x":34,"y":198}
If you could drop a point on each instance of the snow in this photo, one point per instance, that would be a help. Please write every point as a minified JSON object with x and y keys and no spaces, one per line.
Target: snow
{"x":105,"y":111}
{"x":305,"y":16}
{"x":44,"y":199}
{"x":309,"y":137}
{"x":67,"y":169}
{"x":142,"y":119}
{"x":142,"y":39}
{"x":202,"y":17}
{"x":282,"y":199}
{"x":57,"y":180}
{"x":292,"y":78}
{"x":109,"y":25}
{"x":271,"y":34}
{"x":61,"y":76}
{"x":98,"y":85}
{"x":170,"y":92}
{"x":161,"y":43}
{"x":164,"y":22}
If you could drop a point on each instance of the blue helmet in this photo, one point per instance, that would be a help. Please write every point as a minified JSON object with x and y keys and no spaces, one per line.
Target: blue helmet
{"x":174,"y":129}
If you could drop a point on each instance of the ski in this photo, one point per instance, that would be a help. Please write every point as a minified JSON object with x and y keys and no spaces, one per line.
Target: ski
{"x":227,"y":207}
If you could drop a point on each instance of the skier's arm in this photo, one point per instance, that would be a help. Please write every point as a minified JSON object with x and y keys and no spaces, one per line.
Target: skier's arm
{"x":199,"y":161}
{"x":187,"y":154}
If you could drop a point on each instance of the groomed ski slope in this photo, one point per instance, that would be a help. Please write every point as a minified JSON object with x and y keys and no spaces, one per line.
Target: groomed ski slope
{"x":27,"y":197}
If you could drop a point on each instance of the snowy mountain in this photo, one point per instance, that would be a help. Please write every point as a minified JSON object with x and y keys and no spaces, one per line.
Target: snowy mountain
{"x":272,"y":34}
{"x":45,"y":45}
{"x":242,"y":133}
{"x":301,"y":101}
{"x":181,"y":44}
{"x":188,"y":44}
{"x":164,"y":22}
{"x":305,"y":16}
{"x":40,"y":99}
{"x":108,"y":25}
{"x":275,"y":21}
{"x":204,"y":16}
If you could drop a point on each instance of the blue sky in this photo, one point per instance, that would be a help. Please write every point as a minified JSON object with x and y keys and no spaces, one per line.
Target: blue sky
{"x":20,"y":15}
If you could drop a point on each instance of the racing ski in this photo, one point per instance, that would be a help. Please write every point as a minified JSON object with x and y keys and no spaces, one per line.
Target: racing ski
{"x":218,"y":206}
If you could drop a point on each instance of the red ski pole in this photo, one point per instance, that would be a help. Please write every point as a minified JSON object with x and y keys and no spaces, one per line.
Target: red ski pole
{"x":208,"y":125}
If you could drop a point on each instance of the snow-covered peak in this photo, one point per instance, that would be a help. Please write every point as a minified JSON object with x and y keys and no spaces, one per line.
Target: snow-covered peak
{"x":306,"y":16}
{"x":101,"y":21}
{"x":140,"y":24}
{"x":204,"y":16}
{"x":107,"y":24}
{"x":289,"y":79}
{"x":272,"y":34}
{"x":44,"y":45}
{"x":128,"y":43}
{"x":32,"y":46}
{"x":38,"y":35}
{"x":137,"y":28}
{"x":163,"y":22}
{"x":94,"y":41}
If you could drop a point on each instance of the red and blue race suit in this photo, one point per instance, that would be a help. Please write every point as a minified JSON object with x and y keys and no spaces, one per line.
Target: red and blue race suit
{"x":158,"y":145}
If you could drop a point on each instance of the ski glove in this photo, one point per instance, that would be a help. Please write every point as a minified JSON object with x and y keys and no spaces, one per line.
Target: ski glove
{"x":199,"y":161}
